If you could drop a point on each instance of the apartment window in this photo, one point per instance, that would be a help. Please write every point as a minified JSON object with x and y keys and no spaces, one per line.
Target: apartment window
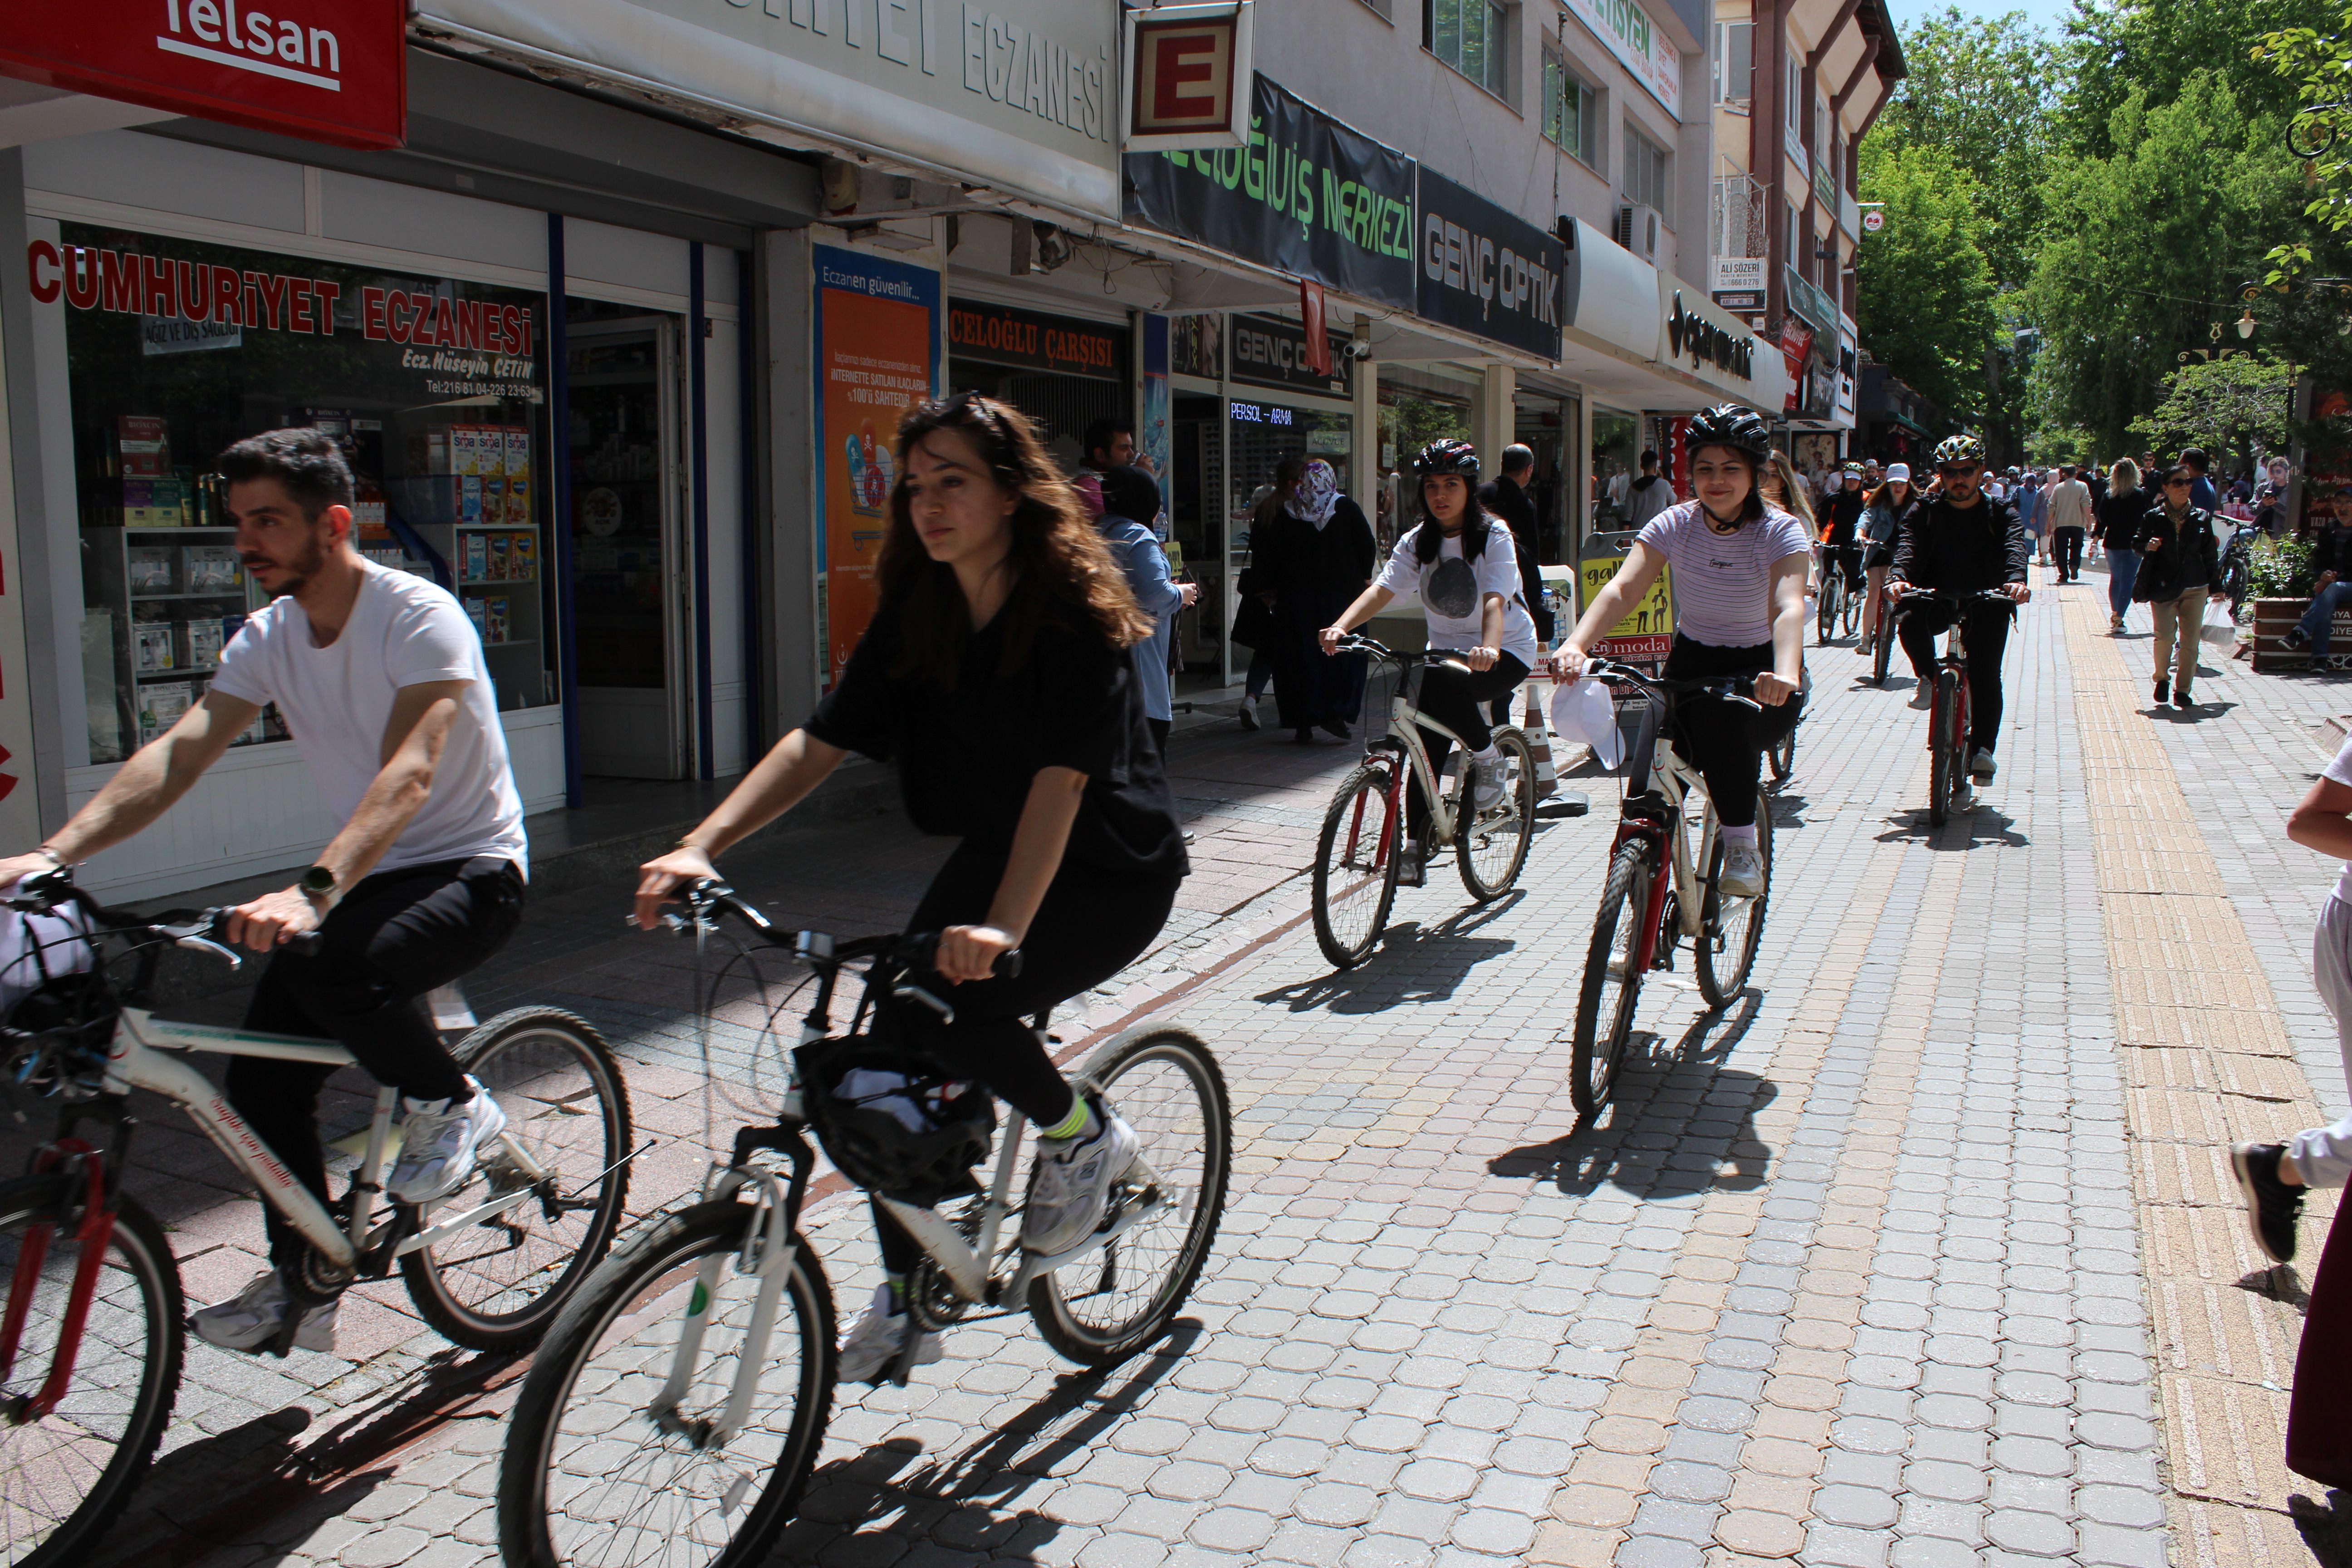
{"x":1792,"y":91}
{"x":1735,"y":63}
{"x":1472,"y":36}
{"x":1570,"y":109}
{"x":1822,"y":127}
{"x":1646,"y":171}
{"x":1794,"y":250}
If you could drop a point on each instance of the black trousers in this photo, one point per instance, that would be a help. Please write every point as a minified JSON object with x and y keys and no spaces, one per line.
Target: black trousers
{"x":1092,"y":924}
{"x":1725,"y":741}
{"x":2066,"y":544}
{"x":1460,"y":699}
{"x":1987,"y":632}
{"x":396,"y":935}
{"x":1846,"y":559}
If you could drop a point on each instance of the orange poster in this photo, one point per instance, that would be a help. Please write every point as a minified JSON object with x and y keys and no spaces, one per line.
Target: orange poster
{"x":877,"y":353}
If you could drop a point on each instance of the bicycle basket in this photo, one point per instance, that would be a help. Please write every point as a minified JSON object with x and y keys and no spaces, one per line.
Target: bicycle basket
{"x":893,"y":1121}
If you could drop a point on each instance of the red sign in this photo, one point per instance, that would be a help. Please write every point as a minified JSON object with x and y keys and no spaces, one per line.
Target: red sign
{"x":1316,"y":355}
{"x":336,"y":70}
{"x":1193,"y":76}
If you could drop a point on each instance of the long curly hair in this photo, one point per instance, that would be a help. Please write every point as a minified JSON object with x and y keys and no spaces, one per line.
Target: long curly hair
{"x":1059,"y":559}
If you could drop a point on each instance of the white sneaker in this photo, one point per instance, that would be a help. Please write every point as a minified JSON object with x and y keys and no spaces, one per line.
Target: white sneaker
{"x":1409,"y":873}
{"x":1069,"y":1186}
{"x":1981,"y":764}
{"x":439,"y":1143}
{"x":1249,"y":713}
{"x":1743,"y":870}
{"x":250,"y":1320}
{"x":1923,"y":696}
{"x":871,"y":1346}
{"x":1486,"y":784}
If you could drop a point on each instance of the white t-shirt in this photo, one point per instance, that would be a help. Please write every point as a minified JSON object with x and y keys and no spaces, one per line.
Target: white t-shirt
{"x":1723,"y":582}
{"x":336,"y":701}
{"x":1453,"y":590}
{"x":2340,"y":770}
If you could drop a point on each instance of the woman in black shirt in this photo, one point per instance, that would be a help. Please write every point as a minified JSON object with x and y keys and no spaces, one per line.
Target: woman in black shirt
{"x":997,"y":674}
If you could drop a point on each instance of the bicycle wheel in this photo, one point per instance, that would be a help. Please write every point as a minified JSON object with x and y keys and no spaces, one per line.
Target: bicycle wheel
{"x":1947,"y":767}
{"x":1491,"y":850}
{"x":499,"y":1285}
{"x":589,"y":1478}
{"x":1825,"y":621}
{"x":1613,"y":986}
{"x":1731,"y":929}
{"x":66,"y":1478}
{"x":1882,"y":653}
{"x":1165,"y":1085}
{"x":1782,"y":756}
{"x":1850,"y":612}
{"x":1356,"y":866}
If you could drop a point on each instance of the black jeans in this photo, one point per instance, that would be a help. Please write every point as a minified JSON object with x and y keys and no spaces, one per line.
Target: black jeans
{"x":1725,"y":741}
{"x":2066,"y":544}
{"x":1987,"y":632}
{"x":396,"y":935}
{"x":1459,"y":700}
{"x":1846,"y":559}
{"x":1092,"y":924}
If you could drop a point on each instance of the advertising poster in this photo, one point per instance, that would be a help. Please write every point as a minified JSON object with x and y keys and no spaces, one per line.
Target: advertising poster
{"x":1485,"y":271}
{"x":1155,"y":441}
{"x":877,"y":351}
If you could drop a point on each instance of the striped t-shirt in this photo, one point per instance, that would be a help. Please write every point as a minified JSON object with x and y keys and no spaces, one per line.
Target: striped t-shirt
{"x":1723,"y":582}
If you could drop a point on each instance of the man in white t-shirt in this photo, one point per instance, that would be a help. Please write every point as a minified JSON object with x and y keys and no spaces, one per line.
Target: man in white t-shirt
{"x":380,"y":680}
{"x":2273,"y":1176}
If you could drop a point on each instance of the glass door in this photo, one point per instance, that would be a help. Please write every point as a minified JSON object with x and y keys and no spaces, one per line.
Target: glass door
{"x":630,"y":583}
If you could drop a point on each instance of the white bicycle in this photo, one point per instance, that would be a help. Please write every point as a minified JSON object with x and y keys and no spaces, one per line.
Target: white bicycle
{"x":93,"y":1331}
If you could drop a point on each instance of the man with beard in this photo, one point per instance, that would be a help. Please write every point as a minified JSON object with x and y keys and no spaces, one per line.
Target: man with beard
{"x":381,"y":681}
{"x":1963,"y":542}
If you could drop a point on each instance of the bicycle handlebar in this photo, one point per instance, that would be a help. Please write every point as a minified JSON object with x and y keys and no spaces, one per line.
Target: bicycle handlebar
{"x":206,"y":931}
{"x":1356,"y":642}
{"x":1729,"y":688}
{"x":1906,"y":592}
{"x":911,"y":949}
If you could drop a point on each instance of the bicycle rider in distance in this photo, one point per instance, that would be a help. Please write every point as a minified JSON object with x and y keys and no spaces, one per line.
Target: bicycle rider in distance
{"x":997,"y":673}
{"x":1463,"y":560}
{"x":381,"y":681}
{"x":1739,"y":610}
{"x":1961,"y":542}
{"x":1841,"y":517}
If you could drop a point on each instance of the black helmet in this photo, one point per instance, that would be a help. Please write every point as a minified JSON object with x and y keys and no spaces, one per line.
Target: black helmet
{"x":1730,"y":424}
{"x":1447,"y":457}
{"x":892,"y":1121}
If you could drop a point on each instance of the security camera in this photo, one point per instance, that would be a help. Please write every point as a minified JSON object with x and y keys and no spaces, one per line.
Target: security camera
{"x":1357,"y":348}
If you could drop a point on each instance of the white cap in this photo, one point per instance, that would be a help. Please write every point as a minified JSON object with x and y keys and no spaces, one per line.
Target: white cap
{"x":1899,"y":471}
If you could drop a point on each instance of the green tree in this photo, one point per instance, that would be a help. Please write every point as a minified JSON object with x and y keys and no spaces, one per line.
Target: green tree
{"x":2315,"y":67}
{"x":2143,"y":250}
{"x":2242,"y":404}
{"x":2113,"y":45}
{"x":1923,"y":287}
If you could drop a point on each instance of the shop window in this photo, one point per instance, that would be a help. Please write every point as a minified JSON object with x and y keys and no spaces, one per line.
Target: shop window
{"x":1646,"y":171}
{"x":1572,"y":109}
{"x":1473,"y":38}
{"x":175,"y":350}
{"x":1414,"y":410}
{"x":1735,"y":65}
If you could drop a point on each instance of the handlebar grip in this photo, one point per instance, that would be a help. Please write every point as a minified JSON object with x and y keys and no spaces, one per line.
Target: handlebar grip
{"x":922,"y":950}
{"x":305,"y":944}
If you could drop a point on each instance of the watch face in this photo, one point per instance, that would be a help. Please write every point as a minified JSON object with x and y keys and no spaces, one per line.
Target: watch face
{"x":317,"y":879}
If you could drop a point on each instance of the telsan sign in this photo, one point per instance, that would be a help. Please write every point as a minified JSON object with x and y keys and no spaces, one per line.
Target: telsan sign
{"x":1707,"y":343}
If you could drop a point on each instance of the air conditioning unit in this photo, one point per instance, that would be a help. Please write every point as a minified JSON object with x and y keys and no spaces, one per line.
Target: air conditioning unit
{"x":1637,"y":230}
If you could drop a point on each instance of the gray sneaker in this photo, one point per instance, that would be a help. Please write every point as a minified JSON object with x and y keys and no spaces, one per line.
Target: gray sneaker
{"x":249,"y":1321}
{"x":875,"y":1340}
{"x":1980,"y":763}
{"x":439,"y":1144}
{"x":1743,"y":870}
{"x":1070,"y":1185}
{"x":1486,"y":784}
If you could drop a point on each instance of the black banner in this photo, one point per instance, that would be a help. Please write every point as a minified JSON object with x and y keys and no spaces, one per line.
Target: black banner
{"x":1003,"y":335}
{"x":1308,"y":197}
{"x":1485,"y":271}
{"x":1270,"y":351}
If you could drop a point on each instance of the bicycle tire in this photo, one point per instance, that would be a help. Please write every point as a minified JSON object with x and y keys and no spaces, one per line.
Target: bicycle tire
{"x":1833,"y":589}
{"x":1595,"y":1055}
{"x":1490,"y":854}
{"x":638,"y":1295}
{"x":1720,"y":985}
{"x":1782,"y":756}
{"x":1882,"y":656}
{"x":1946,"y":764}
{"x":503,"y":1294}
{"x":1162,"y":1123}
{"x":1353,"y":894}
{"x":144,"y":1307}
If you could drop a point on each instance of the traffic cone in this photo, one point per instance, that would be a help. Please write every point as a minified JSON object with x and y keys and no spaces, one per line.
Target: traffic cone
{"x":1539,"y":742}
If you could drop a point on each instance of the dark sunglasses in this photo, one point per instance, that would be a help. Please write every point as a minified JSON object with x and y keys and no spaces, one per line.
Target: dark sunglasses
{"x":2181,"y":484}
{"x":1961,"y":472}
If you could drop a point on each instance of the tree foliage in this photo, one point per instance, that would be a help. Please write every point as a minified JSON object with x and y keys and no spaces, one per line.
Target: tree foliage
{"x":2156,"y":45}
{"x":1924,"y":288}
{"x":2240,"y":403}
{"x":2315,"y":70}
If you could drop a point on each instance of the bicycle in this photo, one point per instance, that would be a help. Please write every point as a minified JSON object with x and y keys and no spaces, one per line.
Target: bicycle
{"x":1781,"y":755}
{"x":701,"y":1359}
{"x":1947,"y":718}
{"x":1882,"y":632}
{"x":92,"y":1337}
{"x":1653,"y":897}
{"x":1356,"y":854}
{"x":1832,"y":598}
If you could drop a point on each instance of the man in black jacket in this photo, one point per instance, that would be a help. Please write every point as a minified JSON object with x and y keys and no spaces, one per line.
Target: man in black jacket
{"x":2331,"y":564}
{"x":1962,"y":542}
{"x":1507,"y":498}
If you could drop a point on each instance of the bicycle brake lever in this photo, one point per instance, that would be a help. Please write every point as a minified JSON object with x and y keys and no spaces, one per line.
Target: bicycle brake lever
{"x":206,"y":944}
{"x":917,"y":993}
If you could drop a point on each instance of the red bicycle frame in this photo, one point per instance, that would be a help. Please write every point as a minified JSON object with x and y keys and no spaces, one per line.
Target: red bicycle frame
{"x":1661,"y":877}
{"x":97,"y":1230}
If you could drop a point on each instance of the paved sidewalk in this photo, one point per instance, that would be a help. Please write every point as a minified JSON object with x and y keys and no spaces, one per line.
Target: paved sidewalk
{"x":1854,"y":1272}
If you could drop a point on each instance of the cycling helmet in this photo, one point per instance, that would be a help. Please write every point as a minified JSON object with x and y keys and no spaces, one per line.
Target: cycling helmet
{"x":1730,"y":424}
{"x":892,"y":1121}
{"x":1960,"y":448}
{"x":1447,"y":457}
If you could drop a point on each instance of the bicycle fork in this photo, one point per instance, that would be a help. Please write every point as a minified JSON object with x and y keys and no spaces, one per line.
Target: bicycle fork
{"x":97,"y":1230}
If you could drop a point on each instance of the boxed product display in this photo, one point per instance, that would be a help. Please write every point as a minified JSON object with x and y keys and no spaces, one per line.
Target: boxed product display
{"x":151,"y":568}
{"x":502,"y":556}
{"x":476,"y":613}
{"x":517,"y":441}
{"x":201,"y":647}
{"x":474,"y":556}
{"x":522,"y":558}
{"x":144,"y":503}
{"x":142,"y":447}
{"x":494,"y":619}
{"x":162,"y":704}
{"x":153,"y":646}
{"x":210,"y":568}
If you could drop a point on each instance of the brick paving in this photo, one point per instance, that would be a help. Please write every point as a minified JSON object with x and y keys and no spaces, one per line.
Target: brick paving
{"x":1879,"y":1266}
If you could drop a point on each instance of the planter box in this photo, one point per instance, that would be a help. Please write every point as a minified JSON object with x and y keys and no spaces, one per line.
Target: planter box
{"x":2272,"y":617}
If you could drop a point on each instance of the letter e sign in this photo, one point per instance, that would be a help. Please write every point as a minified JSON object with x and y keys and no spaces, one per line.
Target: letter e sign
{"x":1193,"y":76}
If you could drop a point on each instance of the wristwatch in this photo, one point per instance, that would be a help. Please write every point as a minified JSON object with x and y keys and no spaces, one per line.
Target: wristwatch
{"x":318,"y":882}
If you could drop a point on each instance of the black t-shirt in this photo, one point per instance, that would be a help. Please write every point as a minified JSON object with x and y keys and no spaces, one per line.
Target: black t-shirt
{"x":967,"y":756}
{"x":1844,"y":510}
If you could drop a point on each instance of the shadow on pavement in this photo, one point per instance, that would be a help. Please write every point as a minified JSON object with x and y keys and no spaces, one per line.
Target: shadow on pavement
{"x":2325,"y":1528}
{"x":1412,"y":963}
{"x":867,"y":1507}
{"x":1976,"y":825}
{"x":1678,"y":1122}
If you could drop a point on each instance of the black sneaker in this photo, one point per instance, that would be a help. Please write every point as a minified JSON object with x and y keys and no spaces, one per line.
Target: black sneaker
{"x":2272,"y":1205}
{"x":2292,"y":639}
{"x":2163,"y":693}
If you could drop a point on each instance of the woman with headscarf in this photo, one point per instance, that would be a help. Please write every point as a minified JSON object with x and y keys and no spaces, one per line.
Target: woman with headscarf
{"x":1317,"y":551}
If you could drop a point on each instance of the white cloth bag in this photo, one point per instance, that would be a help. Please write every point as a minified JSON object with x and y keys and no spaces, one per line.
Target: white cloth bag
{"x":1585,"y":712}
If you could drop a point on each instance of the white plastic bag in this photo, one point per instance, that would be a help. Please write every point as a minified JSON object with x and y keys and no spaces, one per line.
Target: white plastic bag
{"x":62,"y":940}
{"x":2221,"y":628}
{"x":1584,"y":712}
